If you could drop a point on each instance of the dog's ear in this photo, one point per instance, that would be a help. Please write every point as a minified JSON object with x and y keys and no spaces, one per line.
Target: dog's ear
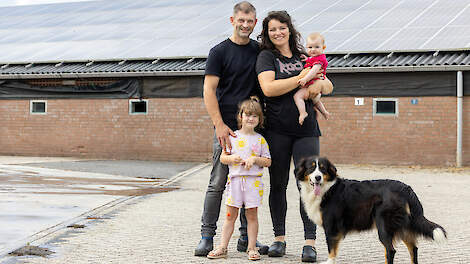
{"x":331,"y":168}
{"x":300,"y":169}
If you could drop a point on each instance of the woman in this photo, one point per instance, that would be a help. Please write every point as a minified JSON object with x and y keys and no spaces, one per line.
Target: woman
{"x":279,"y":69}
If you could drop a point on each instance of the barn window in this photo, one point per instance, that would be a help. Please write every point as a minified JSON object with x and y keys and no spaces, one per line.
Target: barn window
{"x":137,"y":106}
{"x":386,"y":106}
{"x":38,"y":107}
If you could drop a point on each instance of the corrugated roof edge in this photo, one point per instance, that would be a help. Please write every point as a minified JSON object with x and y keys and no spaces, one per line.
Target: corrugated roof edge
{"x":400,"y":61}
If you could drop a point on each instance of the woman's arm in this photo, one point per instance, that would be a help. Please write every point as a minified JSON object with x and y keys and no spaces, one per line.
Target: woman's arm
{"x":310,"y":75}
{"x":272,"y":87}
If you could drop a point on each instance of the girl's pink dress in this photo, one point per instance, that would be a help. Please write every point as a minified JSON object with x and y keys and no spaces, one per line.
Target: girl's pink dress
{"x":244,"y":187}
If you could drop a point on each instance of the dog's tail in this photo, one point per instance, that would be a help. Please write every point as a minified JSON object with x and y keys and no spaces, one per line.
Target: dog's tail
{"x":420,"y":224}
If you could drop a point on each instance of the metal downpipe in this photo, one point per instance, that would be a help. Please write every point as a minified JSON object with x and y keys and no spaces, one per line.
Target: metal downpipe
{"x":459,"y":117}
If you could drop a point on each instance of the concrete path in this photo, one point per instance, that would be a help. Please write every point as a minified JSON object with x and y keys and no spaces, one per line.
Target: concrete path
{"x":164,"y":227}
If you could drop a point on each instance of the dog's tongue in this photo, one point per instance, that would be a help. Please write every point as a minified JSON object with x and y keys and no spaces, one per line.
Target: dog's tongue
{"x":316,"y":189}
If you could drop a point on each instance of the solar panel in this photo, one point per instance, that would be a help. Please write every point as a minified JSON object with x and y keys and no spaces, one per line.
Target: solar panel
{"x":112,"y":29}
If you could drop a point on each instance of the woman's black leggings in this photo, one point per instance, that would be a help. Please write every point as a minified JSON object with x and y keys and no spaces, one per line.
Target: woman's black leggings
{"x":282,"y":148}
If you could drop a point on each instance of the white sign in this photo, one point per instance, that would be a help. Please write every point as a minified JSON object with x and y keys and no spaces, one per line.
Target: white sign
{"x":358,"y":101}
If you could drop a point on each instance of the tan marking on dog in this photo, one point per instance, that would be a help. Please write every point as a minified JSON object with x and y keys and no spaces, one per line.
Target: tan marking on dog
{"x":334,"y":249}
{"x":407,"y":208}
{"x":305,"y":178}
{"x":410,"y":247}
{"x":326,"y":177}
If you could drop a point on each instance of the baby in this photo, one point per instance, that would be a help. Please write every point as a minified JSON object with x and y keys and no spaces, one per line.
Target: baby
{"x":316,"y":62}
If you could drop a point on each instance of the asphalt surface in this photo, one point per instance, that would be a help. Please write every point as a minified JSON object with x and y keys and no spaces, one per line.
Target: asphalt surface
{"x":130,"y":168}
{"x":39,"y":194}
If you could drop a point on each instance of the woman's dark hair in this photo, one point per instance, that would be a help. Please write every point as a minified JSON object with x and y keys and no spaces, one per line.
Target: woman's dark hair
{"x":294,"y":36}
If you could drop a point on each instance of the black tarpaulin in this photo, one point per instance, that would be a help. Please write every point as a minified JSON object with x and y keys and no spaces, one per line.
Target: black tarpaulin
{"x":394,"y":84}
{"x":129,"y":88}
{"x":466,"y":82}
{"x":173,"y":87}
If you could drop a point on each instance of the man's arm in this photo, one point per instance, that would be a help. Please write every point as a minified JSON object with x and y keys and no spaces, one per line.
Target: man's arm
{"x":222,"y":131}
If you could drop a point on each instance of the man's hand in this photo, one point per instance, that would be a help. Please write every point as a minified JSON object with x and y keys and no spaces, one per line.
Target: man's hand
{"x":223,"y":133}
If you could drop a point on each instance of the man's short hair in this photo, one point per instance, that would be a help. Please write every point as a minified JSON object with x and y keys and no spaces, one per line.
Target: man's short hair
{"x":245,"y":7}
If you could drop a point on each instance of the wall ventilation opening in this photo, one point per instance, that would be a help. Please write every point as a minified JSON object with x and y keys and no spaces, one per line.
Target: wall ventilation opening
{"x":138,"y":107}
{"x":38,"y":107}
{"x":386,"y":106}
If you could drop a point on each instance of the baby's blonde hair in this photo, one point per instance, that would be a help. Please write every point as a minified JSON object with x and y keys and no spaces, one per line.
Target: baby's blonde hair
{"x":250,"y":106}
{"x":316,"y":35}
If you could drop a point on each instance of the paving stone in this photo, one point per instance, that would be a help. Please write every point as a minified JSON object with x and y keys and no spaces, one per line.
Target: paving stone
{"x":165,"y":227}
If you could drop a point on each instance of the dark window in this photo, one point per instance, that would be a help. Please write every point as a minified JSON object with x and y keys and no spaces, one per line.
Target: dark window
{"x":38,"y":107}
{"x":386,"y":107}
{"x":138,"y":107}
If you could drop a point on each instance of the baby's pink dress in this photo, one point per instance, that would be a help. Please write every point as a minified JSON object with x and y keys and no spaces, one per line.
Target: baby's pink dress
{"x":245,"y":187}
{"x":320,"y":59}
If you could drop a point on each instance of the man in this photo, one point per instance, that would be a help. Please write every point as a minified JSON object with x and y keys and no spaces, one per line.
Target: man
{"x":230,"y":78}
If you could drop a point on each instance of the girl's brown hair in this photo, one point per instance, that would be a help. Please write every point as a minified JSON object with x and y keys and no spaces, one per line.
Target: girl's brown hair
{"x":250,"y":106}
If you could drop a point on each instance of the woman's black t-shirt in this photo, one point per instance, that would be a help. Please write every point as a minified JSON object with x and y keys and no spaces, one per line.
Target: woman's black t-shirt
{"x":282,"y":115}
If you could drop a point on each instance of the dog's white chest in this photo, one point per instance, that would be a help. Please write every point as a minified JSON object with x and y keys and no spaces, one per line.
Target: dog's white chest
{"x":315,"y":213}
{"x":312,"y":205}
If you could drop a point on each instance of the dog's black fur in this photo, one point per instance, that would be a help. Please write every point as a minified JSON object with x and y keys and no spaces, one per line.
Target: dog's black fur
{"x":342,"y":206}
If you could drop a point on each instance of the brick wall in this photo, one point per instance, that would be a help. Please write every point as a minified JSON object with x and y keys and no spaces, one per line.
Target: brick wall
{"x":180,"y":129}
{"x":173,"y":129}
{"x":424,"y":133}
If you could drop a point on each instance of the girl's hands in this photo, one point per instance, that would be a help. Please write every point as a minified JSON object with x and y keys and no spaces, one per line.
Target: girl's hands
{"x":249,"y":162}
{"x":235,"y":159}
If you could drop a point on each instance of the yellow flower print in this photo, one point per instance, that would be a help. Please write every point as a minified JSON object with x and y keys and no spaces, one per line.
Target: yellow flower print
{"x":262,"y":141}
{"x":261,"y":193}
{"x":229,"y":200}
{"x":241,"y":143}
{"x":256,"y":183}
{"x":260,"y":174}
{"x":253,"y":154}
{"x":228,"y":179}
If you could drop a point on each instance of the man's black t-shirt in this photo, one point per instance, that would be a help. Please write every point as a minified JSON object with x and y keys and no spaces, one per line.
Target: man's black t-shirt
{"x":282,"y":115}
{"x":235,"y":66}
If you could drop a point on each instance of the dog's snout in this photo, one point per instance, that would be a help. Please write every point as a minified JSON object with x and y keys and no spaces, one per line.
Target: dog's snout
{"x":318,"y":178}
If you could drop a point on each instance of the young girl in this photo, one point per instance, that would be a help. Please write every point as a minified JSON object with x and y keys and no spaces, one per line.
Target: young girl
{"x":317,"y":63}
{"x":249,"y":154}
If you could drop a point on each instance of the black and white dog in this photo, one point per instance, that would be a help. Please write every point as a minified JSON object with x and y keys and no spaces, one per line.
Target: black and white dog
{"x":342,"y":206}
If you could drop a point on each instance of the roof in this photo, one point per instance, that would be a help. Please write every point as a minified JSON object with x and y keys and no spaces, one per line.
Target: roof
{"x":358,"y":62}
{"x":131,"y":29}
